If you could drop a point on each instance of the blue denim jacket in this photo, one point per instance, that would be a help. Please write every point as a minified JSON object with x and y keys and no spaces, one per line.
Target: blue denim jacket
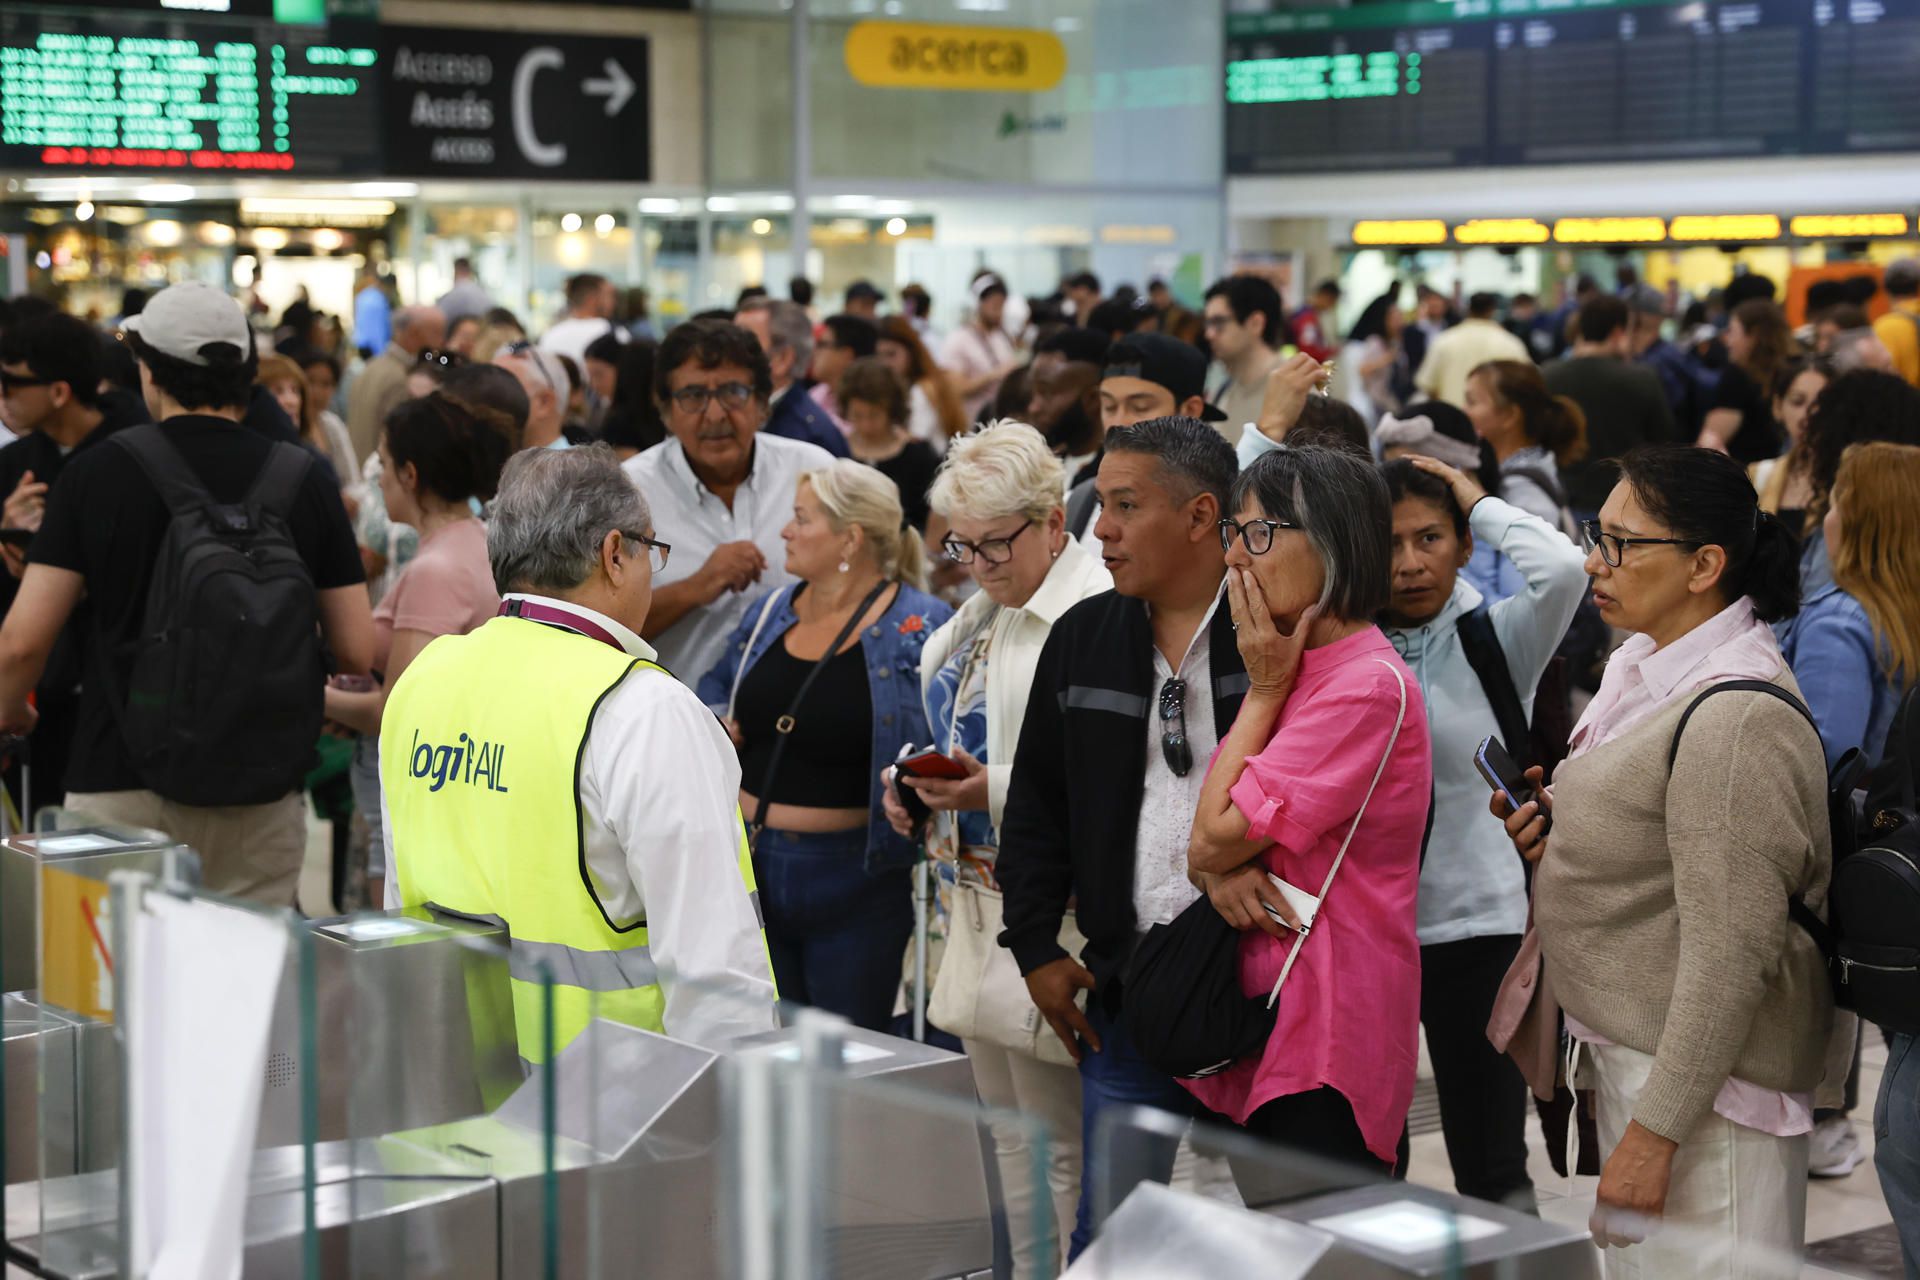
{"x":891,"y":647}
{"x":1840,"y":666}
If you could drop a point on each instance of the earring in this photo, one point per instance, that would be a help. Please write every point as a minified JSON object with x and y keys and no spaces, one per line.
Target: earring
{"x":844,"y":566}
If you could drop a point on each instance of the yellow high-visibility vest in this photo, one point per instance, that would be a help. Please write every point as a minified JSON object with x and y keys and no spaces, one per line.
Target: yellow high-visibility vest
{"x":480,"y":749}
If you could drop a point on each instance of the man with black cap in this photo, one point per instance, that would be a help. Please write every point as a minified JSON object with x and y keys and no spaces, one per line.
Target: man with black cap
{"x":979,"y":353}
{"x":1148,"y":375}
{"x":1065,"y":402}
{"x":863,"y":300}
{"x":242,"y":679}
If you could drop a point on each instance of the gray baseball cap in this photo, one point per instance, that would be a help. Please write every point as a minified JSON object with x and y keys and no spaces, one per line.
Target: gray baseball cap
{"x":191,"y":322}
{"x":1647,"y":300}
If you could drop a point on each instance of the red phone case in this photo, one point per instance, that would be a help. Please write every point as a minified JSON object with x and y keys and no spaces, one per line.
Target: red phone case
{"x":932,"y":764}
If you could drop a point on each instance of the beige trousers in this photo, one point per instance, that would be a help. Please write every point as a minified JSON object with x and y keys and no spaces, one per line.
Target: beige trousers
{"x":250,"y":851}
{"x":1737,"y":1200}
{"x":1049,"y":1095}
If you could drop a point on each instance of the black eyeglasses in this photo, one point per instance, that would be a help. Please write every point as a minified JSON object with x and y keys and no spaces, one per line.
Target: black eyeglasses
{"x":657,"y":551}
{"x":1613,"y":546}
{"x":444,"y":359}
{"x":733,"y":396}
{"x":1257,"y":534}
{"x":993,"y":550}
{"x":1174,"y":747}
{"x":9,"y":382}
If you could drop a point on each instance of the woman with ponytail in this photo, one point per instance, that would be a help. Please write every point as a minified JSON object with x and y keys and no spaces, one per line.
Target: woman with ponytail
{"x":819,"y":687}
{"x":1660,"y":899}
{"x":1532,"y":432}
{"x":1759,"y":344}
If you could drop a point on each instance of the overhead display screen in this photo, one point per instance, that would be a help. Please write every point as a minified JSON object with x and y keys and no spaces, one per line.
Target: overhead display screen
{"x":1445,"y":83}
{"x":96,"y":93}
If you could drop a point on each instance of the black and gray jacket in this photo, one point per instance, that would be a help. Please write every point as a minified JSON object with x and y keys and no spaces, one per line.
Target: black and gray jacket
{"x":1073,"y":807}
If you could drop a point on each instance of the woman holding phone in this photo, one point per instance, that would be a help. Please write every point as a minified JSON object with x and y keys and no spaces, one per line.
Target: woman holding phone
{"x":1000,"y":493}
{"x":1473,"y":893}
{"x":1661,"y":895}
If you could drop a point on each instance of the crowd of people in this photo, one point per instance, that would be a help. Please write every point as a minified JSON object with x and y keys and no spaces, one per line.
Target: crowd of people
{"x":1134,"y":621}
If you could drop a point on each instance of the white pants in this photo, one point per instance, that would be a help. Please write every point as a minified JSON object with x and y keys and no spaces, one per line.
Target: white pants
{"x":1737,"y":1198}
{"x":1050,"y":1095}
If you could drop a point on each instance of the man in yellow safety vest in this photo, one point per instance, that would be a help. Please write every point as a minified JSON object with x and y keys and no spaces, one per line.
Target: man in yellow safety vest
{"x":544,"y":771}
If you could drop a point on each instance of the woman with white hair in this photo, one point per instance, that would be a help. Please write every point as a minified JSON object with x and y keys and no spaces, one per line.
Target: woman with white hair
{"x":1000,"y":491}
{"x":818,"y":687}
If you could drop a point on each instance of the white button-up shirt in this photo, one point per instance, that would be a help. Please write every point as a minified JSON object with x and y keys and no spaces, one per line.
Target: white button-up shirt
{"x":1161,"y":889}
{"x":695,"y":523}
{"x":660,"y":802}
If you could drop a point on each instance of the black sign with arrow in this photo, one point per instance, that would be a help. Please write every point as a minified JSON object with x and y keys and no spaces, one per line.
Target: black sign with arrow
{"x":516,"y":104}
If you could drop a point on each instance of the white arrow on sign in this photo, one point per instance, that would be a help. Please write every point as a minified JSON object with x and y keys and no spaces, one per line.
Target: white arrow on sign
{"x":616,"y":87}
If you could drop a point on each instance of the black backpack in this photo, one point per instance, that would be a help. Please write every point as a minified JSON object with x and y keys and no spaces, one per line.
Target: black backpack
{"x":1589,"y":639}
{"x":222,"y":704}
{"x":1871,"y":937}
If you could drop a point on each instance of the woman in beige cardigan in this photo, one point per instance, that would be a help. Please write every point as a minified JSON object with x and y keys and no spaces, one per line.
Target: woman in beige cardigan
{"x":1661,"y":901}
{"x":1000,"y":490}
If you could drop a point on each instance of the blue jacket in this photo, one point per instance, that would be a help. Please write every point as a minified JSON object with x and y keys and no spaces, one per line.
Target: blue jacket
{"x":797,"y":417}
{"x":892,"y":650}
{"x":1841,"y":668}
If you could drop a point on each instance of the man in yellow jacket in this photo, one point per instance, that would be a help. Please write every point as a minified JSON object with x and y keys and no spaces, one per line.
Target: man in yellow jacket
{"x":545,"y":771}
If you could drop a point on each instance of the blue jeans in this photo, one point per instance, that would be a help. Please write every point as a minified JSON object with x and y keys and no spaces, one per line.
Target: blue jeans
{"x":1896,"y":1143}
{"x":1116,"y":1077}
{"x":838,"y":936}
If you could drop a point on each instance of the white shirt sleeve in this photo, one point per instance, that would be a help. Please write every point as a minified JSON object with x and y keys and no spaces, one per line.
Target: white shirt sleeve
{"x":659,"y":790}
{"x":1254,"y":446}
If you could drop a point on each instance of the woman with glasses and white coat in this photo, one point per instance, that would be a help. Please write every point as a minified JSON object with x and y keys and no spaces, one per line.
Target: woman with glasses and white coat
{"x":1000,"y":492}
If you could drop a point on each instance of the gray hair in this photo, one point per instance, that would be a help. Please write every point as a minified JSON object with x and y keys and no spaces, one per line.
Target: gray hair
{"x":1194,"y":458}
{"x":554,"y":509}
{"x":789,"y":328}
{"x":1340,"y":502}
{"x":1004,"y":469}
{"x":406,"y":317}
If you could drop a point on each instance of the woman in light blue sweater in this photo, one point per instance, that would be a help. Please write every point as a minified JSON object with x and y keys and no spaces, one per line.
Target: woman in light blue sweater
{"x":1473,"y":897}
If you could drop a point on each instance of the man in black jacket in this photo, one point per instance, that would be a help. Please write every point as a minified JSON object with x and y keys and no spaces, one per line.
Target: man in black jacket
{"x":1132,"y":692}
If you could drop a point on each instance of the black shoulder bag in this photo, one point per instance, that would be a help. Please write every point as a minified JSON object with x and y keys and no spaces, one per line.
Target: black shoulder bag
{"x":783,"y":727}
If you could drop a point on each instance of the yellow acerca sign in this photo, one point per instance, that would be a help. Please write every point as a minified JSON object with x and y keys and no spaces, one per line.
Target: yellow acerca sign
{"x":918,"y":55}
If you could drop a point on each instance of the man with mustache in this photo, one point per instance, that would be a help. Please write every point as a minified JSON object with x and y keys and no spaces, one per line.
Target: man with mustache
{"x":722,"y":486}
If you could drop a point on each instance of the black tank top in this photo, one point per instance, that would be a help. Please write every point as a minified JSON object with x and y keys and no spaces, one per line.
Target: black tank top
{"x":828,"y":761}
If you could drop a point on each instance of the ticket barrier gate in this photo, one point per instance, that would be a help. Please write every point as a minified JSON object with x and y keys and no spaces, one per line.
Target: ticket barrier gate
{"x":436,"y":1162}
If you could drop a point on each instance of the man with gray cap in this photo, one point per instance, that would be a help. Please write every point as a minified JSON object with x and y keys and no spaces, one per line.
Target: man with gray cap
{"x":1899,"y":329}
{"x":240,"y":676}
{"x":382,"y":383}
{"x":1678,"y":372}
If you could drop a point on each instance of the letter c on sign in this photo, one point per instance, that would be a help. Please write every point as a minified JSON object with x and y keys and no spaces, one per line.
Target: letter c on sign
{"x":532,"y":62}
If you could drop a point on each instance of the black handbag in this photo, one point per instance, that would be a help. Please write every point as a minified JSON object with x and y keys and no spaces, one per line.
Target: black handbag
{"x":1180,"y":999}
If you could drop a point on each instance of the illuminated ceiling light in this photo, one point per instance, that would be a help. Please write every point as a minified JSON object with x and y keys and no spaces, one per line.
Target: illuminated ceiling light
{"x":1609,"y":230}
{"x":1725,"y":226}
{"x":1123,"y":233}
{"x":896,"y":226}
{"x":83,"y":210}
{"x":163,"y":192}
{"x":329,"y":240}
{"x":1847,"y":226}
{"x":384,"y":190}
{"x":762,"y":226}
{"x":603,"y":225}
{"x":722,"y":204}
{"x":570,"y":223}
{"x":215,"y":233}
{"x":162,"y":232}
{"x":1401,"y":231}
{"x":269,"y":239}
{"x":1502,"y":231}
{"x":851,"y":202}
{"x":659,"y":205}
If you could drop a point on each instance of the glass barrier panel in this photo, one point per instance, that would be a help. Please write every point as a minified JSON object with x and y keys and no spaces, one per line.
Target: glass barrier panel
{"x":436,"y":1126}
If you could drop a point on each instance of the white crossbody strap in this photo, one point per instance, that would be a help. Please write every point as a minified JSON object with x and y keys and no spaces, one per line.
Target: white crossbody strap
{"x":740,"y":672}
{"x":1300,"y":939}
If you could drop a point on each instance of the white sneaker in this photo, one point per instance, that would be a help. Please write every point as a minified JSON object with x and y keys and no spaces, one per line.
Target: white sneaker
{"x":1834,"y":1149}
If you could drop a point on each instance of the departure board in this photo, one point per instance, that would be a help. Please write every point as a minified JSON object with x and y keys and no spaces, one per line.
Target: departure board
{"x":89,"y":92}
{"x":1445,"y":83}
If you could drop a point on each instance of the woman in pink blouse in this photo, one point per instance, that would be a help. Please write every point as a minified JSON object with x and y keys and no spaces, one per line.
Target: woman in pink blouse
{"x":1332,"y":730}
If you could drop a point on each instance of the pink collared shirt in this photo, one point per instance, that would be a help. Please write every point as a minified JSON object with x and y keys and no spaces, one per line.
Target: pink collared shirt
{"x":1639,"y":680}
{"x":1349,"y":1015}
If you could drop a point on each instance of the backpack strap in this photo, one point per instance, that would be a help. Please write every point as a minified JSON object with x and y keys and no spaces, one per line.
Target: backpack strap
{"x":164,"y":466}
{"x":1481,"y":645}
{"x":1539,"y":476}
{"x":278,"y":485}
{"x":1797,"y":909}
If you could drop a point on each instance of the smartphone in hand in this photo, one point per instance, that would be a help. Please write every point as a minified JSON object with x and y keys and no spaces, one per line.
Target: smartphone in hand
{"x":931,"y":764}
{"x":1502,"y":773}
